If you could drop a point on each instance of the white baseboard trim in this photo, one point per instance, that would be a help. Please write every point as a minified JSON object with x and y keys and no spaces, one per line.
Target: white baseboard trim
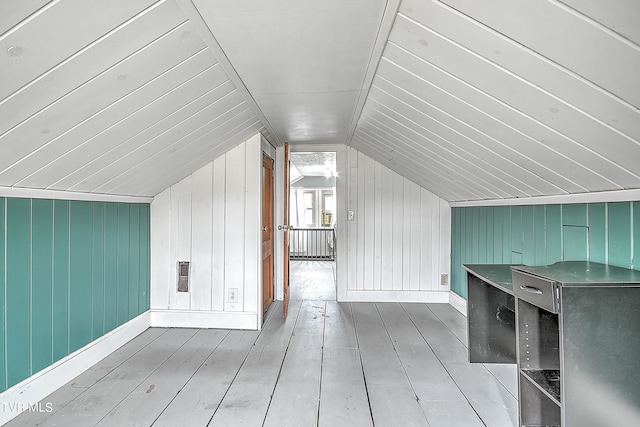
{"x":398,"y":296}
{"x":458,"y":302}
{"x":32,"y":390}
{"x":203,"y":319}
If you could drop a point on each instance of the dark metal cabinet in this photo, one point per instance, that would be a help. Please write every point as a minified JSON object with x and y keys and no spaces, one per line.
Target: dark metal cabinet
{"x":576,"y":338}
{"x":578,"y":334}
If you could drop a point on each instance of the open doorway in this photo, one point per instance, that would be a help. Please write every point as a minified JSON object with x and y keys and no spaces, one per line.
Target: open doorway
{"x":312,"y":241}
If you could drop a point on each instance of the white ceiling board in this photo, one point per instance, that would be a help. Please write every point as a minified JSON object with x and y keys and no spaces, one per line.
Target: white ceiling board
{"x":620,"y":16}
{"x":528,"y":65}
{"x":100,"y":102}
{"x":88,"y":63}
{"x":493,"y":84}
{"x":421,"y":173}
{"x":16,"y":11}
{"x":430,"y":155}
{"x":565,"y":37}
{"x":584,"y":131}
{"x":299,"y":59}
{"x":180,"y":136}
{"x":140,"y":126}
{"x":504,"y":139}
{"x":296,"y":46}
{"x":492,"y":100}
{"x":421,"y":165}
{"x":455,"y":133}
{"x":105,"y":105}
{"x":321,"y":118}
{"x":33,"y":48}
{"x":512,"y":134}
{"x":189,"y":162}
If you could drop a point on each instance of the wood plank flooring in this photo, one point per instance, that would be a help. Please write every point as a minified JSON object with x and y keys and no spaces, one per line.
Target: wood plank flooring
{"x":327,"y":364}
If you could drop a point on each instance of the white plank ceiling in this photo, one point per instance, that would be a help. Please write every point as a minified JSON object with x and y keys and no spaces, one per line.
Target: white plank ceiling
{"x":471,"y":100}
{"x":113,"y":97}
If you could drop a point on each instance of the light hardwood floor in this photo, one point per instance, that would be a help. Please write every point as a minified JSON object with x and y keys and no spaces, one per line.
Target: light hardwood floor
{"x":327,"y":364}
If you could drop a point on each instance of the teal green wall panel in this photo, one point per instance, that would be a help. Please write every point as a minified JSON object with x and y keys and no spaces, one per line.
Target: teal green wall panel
{"x":636,"y":235}
{"x":506,"y":234}
{"x":619,"y":239}
{"x":481,"y":219}
{"x":110,"y":265}
{"x":598,"y":233}
{"x":144,"y":297}
{"x":553,"y":233}
{"x":3,"y":370}
{"x":62,"y":267}
{"x":97,"y":271}
{"x":122,"y":287}
{"x":134,"y":259}
{"x":498,"y":226}
{"x":41,"y":282}
{"x":539,"y":237}
{"x":80,"y":245}
{"x":60,"y":298}
{"x":574,"y":215}
{"x":544,"y":234}
{"x":528,"y":235}
{"x":18,"y":292}
{"x":516,"y":231}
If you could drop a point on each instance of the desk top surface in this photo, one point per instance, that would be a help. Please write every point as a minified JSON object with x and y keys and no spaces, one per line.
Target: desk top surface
{"x":567,"y":273}
{"x":499,"y":275}
{"x":583,"y":273}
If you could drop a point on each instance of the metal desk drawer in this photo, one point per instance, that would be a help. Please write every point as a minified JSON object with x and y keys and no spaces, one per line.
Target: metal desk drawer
{"x":535,"y":290}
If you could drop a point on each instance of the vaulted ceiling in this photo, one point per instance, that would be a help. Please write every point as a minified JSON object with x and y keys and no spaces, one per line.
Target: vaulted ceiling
{"x":471,"y":100}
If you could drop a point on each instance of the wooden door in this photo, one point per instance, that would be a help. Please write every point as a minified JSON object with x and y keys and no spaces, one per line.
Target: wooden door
{"x":267,"y":232}
{"x":285,"y":302}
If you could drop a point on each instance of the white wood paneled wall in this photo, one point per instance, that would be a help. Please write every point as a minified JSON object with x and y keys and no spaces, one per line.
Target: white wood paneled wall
{"x":212,"y":219}
{"x":399,"y":240}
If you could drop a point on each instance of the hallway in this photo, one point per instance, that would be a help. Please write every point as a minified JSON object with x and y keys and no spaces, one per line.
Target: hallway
{"x":327,"y":364}
{"x":313,"y":280}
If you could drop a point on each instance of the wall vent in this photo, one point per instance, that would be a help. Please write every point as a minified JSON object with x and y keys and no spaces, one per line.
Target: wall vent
{"x":444,"y":280}
{"x":183,"y":276}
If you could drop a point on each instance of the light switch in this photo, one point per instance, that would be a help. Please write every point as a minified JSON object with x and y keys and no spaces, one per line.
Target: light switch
{"x":351,"y":215}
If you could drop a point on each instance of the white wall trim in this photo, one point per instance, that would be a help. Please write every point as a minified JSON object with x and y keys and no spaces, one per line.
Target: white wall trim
{"x":33,"y":193}
{"x":398,"y":296}
{"x":204,"y":319}
{"x":458,"y":302}
{"x":38,"y":386}
{"x":593,"y":197}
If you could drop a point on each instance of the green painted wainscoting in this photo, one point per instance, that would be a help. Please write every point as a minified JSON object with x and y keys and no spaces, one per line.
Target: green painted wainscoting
{"x":543,"y":234}
{"x":70,"y":271}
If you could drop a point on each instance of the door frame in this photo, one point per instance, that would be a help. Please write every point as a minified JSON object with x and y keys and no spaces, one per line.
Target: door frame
{"x":266,"y":194}
{"x":341,"y":214}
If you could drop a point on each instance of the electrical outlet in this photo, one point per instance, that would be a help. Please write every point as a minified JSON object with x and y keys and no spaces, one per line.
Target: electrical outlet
{"x":232,"y":295}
